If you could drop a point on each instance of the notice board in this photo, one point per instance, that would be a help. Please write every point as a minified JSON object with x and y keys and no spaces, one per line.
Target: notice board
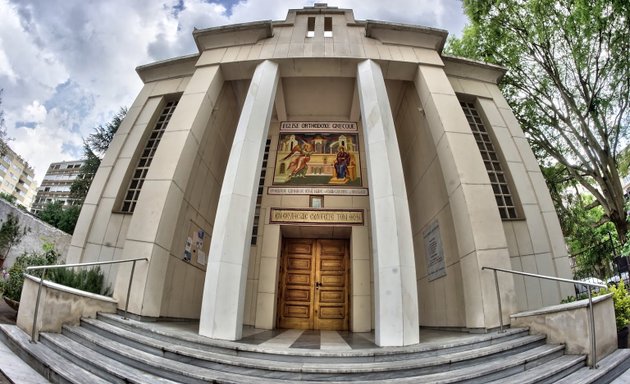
{"x":197,"y":246}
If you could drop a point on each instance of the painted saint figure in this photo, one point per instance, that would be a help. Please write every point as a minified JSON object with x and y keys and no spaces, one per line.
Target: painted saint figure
{"x":341,"y":163}
{"x":299,"y":164}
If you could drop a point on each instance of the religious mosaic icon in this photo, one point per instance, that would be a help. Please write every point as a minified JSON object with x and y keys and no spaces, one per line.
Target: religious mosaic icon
{"x":318,"y":159}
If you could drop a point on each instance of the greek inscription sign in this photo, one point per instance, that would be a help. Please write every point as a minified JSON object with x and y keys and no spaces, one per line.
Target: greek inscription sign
{"x":319,"y":216}
{"x":318,"y":126}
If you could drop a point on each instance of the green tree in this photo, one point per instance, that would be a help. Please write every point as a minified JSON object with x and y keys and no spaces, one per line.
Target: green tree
{"x":11,"y":233}
{"x":94,"y":147}
{"x":11,"y":287}
{"x":590,"y":241}
{"x":568,"y":82}
{"x":60,"y":216}
{"x":8,"y":197}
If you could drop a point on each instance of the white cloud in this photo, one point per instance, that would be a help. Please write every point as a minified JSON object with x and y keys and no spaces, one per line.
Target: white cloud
{"x":34,"y":112}
{"x":67,"y":66}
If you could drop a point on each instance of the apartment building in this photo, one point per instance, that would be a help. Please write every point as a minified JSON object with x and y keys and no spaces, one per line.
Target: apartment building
{"x":56,"y":184}
{"x":16,"y":177}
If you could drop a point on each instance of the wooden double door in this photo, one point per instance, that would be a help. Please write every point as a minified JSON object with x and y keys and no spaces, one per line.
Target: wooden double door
{"x":313,"y":285}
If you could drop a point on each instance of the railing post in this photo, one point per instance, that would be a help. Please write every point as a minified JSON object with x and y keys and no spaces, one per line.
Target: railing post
{"x":133,"y":267}
{"x":39,"y":293}
{"x":496,"y":283}
{"x":592,"y":324}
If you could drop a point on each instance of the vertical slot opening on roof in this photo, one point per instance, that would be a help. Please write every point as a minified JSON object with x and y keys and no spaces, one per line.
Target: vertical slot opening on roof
{"x":310,"y":29}
{"x":328,"y":27}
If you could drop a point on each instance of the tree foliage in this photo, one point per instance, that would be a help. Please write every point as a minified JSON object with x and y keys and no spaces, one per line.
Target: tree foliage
{"x":568,"y":82}
{"x":8,"y":197}
{"x":11,"y":233}
{"x":11,"y":287}
{"x":60,"y":216}
{"x":94,"y":147}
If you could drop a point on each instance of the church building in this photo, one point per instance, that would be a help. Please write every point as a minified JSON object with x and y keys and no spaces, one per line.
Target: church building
{"x":323,"y":172}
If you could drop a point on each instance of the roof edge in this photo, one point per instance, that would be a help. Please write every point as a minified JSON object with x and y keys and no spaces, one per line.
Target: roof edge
{"x":232,"y":34}
{"x":151,"y":72}
{"x":406,"y":34}
{"x":491,"y":72}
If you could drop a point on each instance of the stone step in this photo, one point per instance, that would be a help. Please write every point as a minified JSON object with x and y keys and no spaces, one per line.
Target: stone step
{"x":549,"y":372}
{"x":609,"y":368}
{"x":482,"y":373}
{"x":302,"y":355}
{"x":47,"y":362}
{"x":105,"y":367}
{"x":166,"y":364}
{"x":16,"y":370}
{"x":199,"y":357}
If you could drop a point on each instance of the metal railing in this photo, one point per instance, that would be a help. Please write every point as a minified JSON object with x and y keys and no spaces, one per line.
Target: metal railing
{"x":590,"y":301}
{"x":47,"y":267}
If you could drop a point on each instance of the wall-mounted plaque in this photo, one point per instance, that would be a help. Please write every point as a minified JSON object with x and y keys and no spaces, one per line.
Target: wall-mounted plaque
{"x":318,"y":126}
{"x":340,"y":191}
{"x":434,"y":254}
{"x":316,"y":216}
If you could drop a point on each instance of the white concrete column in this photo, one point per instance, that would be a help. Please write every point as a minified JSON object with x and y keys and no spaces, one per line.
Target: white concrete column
{"x":478,"y":226}
{"x":395,"y":287}
{"x":224,"y":289}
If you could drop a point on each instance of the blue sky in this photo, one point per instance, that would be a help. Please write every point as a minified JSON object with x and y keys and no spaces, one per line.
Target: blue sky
{"x":67,"y":66}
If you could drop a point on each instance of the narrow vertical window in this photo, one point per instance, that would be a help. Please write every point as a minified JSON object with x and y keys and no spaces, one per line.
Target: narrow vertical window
{"x":328,"y":27}
{"x":500,"y":186}
{"x":146,"y":157}
{"x":261,"y":187}
{"x":310,"y":28}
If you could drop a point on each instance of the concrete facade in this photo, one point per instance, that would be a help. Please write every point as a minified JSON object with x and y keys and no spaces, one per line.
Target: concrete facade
{"x":356,"y":133}
{"x":16,"y":176}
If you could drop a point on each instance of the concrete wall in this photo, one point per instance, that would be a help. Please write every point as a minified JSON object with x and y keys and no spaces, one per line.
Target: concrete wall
{"x":183,"y":285}
{"x":569,"y":324}
{"x":58,"y":305}
{"x":40,"y":234}
{"x":441,"y":300}
{"x":535,"y":241}
{"x":101,"y":230}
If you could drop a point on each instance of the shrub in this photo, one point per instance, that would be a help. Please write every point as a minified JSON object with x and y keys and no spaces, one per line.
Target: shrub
{"x":11,"y":286}
{"x":89,"y":280}
{"x":621,"y":300}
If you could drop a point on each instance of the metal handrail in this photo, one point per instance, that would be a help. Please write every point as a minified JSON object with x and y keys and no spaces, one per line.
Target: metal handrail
{"x":56,"y":266}
{"x":559,"y":279}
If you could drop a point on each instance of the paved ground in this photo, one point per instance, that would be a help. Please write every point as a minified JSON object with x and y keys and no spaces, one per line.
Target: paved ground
{"x":7,"y":315}
{"x":11,"y":365}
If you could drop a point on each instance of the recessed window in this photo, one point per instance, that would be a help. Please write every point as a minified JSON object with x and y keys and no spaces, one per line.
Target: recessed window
{"x":328,"y":27}
{"x":261,"y":186}
{"x":310,"y":28}
{"x":316,"y":201}
{"x":498,"y":179}
{"x":142,"y":168}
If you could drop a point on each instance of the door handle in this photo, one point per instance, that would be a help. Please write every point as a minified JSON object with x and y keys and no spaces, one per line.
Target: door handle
{"x":318,"y":284}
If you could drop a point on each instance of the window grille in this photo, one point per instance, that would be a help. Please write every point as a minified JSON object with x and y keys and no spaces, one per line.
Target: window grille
{"x":500,"y":186}
{"x":144,"y":162}
{"x":261,"y":187}
{"x":328,"y":32}
{"x":310,"y":28}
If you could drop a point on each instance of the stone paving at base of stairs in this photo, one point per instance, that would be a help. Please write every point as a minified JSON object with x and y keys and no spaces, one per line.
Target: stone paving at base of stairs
{"x":283,"y":339}
{"x":624,"y":378}
{"x":12,"y":368}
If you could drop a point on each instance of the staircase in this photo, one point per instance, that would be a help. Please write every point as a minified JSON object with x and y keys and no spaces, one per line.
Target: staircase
{"x":111,"y":350}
